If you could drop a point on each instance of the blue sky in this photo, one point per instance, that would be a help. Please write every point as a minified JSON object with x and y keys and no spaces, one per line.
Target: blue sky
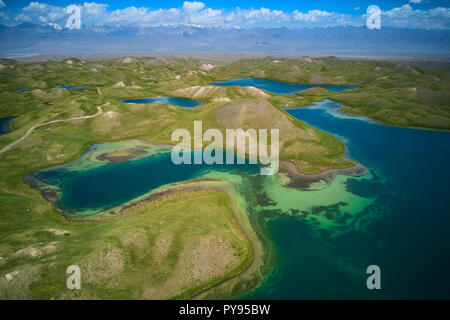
{"x":427,"y":14}
{"x":343,"y":6}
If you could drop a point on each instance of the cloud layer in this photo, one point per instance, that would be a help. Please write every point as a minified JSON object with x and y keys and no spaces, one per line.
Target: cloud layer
{"x":197,"y":14}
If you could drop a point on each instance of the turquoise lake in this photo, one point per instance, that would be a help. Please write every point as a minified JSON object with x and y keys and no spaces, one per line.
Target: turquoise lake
{"x":113,"y":184}
{"x":181,"y":102}
{"x":277,"y":87}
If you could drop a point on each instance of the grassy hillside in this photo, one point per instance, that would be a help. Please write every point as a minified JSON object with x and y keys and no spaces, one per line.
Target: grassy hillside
{"x":312,"y":149}
{"x":401,"y":94}
{"x":168,"y":248}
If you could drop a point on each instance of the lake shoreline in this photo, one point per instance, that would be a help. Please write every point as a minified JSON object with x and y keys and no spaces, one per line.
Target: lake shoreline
{"x":342,"y":108}
{"x":300,"y":180}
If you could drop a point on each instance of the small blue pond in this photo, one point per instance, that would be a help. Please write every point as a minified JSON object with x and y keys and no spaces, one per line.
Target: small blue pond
{"x":66,"y":86}
{"x":4,"y":125}
{"x":181,"y":102}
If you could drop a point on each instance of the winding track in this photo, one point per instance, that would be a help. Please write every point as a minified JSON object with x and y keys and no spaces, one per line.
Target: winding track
{"x":8,"y":147}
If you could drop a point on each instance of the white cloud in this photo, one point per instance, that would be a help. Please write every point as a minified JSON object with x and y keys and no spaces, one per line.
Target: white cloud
{"x":254,"y":17}
{"x":406,"y":17}
{"x":2,"y":4}
{"x":415,"y":1}
{"x":95,"y":9}
{"x":196,"y":13}
{"x":36,"y":11}
{"x":193,"y":6}
{"x":312,"y":15}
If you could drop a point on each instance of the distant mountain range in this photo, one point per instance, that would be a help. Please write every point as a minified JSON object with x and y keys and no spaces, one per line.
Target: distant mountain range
{"x":39,"y":39}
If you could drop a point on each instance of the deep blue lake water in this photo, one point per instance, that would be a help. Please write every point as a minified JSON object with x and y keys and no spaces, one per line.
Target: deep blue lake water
{"x":277,"y":87}
{"x":4,"y":125}
{"x":117,"y":183}
{"x":410,"y":241}
{"x":181,"y":102}
{"x":24,"y":90}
